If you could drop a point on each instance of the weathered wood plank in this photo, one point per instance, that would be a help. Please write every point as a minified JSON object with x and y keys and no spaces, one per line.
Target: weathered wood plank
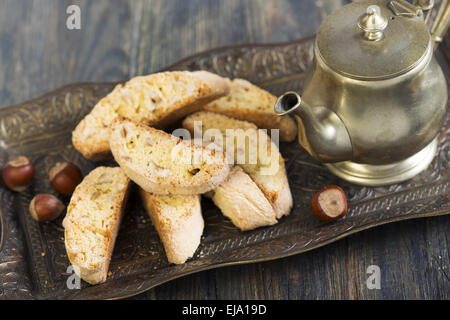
{"x":38,"y":52}
{"x":191,"y":26}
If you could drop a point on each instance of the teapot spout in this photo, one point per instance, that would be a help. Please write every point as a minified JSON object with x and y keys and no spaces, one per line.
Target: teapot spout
{"x":320,"y":130}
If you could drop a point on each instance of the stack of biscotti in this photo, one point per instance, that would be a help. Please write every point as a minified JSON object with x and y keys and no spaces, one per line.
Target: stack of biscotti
{"x":262,"y":159}
{"x":92,"y":221}
{"x":96,"y":207}
{"x":157,"y":100}
{"x":172,"y":173}
{"x":171,"y":181}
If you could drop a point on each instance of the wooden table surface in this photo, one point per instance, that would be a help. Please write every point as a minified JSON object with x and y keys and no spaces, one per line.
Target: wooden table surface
{"x":120,"y":39}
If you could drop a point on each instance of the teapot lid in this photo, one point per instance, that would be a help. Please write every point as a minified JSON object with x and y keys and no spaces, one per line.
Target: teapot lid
{"x":374,"y":39}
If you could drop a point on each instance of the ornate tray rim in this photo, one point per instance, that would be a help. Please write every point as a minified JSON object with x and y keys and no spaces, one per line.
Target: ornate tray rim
{"x":293,"y":253}
{"x":148,"y":283}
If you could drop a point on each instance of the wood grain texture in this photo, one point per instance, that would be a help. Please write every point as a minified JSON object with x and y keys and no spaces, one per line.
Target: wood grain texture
{"x":120,"y":39}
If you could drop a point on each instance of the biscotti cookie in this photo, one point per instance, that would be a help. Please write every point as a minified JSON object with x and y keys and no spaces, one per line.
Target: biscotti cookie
{"x":251,"y":103}
{"x":262,"y":159}
{"x":161,"y":163}
{"x":178,"y":221}
{"x":157,"y":100}
{"x":240,"y":199}
{"x":92,"y":222}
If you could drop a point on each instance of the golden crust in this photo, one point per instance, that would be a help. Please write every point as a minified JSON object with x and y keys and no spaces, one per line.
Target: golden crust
{"x":240,"y":199}
{"x":273,"y":183}
{"x":162,"y":164}
{"x":251,"y":103}
{"x":178,"y":221}
{"x":157,"y":99}
{"x":92,"y":221}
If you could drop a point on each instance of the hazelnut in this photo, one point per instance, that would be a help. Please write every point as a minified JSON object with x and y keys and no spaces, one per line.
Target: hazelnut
{"x":18,"y":173}
{"x":46,"y":207}
{"x":64,"y":177}
{"x":329,"y":203}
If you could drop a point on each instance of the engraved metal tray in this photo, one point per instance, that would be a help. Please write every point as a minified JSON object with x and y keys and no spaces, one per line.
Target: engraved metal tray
{"x":33,"y":261}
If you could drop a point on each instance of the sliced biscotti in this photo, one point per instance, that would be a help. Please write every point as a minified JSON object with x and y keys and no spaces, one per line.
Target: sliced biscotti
{"x":178,"y":221}
{"x":251,"y":103}
{"x":157,"y":100}
{"x":92,"y":222}
{"x":161,"y":163}
{"x":252,"y":149}
{"x":240,"y":199}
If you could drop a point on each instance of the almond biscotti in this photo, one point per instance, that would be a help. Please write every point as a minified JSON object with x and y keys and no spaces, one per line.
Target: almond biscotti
{"x":157,"y":100}
{"x":178,"y":221}
{"x":162,"y":164}
{"x":92,"y":222}
{"x":251,"y":103}
{"x":240,"y":199}
{"x":251,"y":149}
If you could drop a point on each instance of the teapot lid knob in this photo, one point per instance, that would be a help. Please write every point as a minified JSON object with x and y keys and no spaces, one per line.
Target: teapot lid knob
{"x":372,"y":23}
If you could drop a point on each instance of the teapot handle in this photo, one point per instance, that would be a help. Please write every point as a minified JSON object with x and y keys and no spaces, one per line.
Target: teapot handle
{"x":424,"y":8}
{"x":441,"y":22}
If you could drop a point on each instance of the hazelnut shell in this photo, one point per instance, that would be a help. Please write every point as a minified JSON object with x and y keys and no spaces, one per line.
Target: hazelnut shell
{"x":64,"y":177}
{"x":18,"y":173}
{"x":318,"y":208}
{"x":46,"y":207}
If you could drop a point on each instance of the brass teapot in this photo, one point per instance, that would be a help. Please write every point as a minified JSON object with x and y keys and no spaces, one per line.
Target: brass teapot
{"x":375,"y":98}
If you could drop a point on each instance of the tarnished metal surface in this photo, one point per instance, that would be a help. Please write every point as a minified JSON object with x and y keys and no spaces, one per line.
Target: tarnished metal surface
{"x":33,"y":262}
{"x":344,"y":48}
{"x":376,"y":84}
